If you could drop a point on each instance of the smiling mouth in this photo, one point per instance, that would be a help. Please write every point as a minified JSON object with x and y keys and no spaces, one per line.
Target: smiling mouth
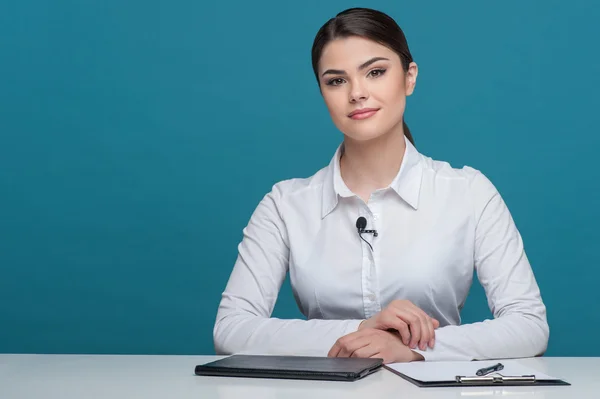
{"x":363,"y":113}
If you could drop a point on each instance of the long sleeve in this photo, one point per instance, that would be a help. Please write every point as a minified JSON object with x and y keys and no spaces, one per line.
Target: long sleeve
{"x":244,"y":323}
{"x":519,"y":328}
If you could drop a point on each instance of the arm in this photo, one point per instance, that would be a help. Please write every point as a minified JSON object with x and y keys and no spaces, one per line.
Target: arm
{"x":244,"y":323}
{"x":519,"y":328}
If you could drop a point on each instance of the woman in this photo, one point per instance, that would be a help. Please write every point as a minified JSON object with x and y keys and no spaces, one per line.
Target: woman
{"x":390,"y":285}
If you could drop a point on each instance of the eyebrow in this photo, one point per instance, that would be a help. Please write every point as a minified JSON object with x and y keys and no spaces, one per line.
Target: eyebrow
{"x":361,"y":67}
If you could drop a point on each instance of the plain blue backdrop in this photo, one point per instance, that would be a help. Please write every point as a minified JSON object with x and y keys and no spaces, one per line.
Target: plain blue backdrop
{"x":137,"y":137}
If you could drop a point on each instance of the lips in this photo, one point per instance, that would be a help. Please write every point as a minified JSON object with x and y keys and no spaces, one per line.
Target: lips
{"x":363,"y":113}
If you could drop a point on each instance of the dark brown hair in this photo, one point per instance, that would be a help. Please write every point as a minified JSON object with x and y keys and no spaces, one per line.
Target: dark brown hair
{"x":370,"y":24}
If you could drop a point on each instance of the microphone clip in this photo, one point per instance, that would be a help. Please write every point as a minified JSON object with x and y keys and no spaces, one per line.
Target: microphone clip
{"x":361,"y":223}
{"x":374,"y":232}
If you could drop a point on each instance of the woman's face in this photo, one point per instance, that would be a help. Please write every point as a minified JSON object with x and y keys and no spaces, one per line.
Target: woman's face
{"x":364,"y":87}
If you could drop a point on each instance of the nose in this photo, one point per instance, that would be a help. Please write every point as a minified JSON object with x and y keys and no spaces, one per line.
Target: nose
{"x":358,"y":93}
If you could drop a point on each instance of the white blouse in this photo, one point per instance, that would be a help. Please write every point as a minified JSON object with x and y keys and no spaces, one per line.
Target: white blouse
{"x":435,"y":224}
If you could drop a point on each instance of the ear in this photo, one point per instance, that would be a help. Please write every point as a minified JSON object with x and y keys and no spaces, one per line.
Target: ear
{"x":410,"y":78}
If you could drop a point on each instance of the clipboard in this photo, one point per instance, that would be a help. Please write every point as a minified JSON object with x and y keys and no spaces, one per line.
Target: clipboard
{"x":440,"y":374}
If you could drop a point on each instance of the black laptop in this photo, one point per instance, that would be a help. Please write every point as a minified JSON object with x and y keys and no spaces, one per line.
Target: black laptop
{"x":291,"y":367}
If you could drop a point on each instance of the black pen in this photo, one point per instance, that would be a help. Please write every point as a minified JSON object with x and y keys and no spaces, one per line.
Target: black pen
{"x":490,"y":369}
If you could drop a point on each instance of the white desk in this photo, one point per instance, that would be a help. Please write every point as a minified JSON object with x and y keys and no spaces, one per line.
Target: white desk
{"x":149,"y":377}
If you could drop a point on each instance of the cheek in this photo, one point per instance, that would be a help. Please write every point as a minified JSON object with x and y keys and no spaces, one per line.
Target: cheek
{"x":336,"y":103}
{"x":394,"y":99}
{"x":391,"y":93}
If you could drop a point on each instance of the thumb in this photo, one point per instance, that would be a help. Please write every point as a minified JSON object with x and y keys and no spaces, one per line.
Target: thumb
{"x":436,"y":323}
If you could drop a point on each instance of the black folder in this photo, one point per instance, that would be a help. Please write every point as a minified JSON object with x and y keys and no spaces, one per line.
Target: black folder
{"x":290,"y":367}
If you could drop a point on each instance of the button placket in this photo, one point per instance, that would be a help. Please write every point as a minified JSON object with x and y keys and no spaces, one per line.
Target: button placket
{"x":368,"y":272}
{"x":375,"y":222}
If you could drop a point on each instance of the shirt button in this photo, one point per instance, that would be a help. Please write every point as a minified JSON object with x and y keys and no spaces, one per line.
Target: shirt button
{"x":372,"y":297}
{"x":375,"y":217}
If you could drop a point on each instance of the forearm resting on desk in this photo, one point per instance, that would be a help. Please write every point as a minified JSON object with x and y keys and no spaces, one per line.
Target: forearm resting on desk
{"x":510,"y":336}
{"x":250,"y":334}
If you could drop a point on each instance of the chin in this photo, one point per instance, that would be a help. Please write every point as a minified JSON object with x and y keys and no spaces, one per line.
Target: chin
{"x":364,"y":133}
{"x":363,"y":137}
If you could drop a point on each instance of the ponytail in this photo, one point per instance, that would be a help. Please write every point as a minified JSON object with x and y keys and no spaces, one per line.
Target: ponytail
{"x":407,"y":133}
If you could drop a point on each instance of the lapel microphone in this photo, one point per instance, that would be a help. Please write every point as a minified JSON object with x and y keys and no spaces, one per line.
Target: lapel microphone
{"x":361,"y":223}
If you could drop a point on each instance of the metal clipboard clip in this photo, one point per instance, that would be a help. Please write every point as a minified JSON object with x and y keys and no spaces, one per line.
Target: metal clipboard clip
{"x":495,"y":379}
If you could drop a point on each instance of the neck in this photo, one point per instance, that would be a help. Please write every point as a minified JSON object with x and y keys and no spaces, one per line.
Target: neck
{"x":367,"y":166}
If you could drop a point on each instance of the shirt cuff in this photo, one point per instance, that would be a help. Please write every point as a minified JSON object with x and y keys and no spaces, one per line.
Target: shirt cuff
{"x":439,"y":354}
{"x":427,"y":354}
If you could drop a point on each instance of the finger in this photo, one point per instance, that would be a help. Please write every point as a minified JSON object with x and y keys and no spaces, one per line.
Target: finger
{"x":422,"y":334}
{"x":435,"y":324}
{"x":341,"y":342}
{"x":335,"y":349}
{"x":426,"y":332}
{"x":348,"y":342}
{"x":419,"y":311}
{"x":429,"y":342}
{"x":414,"y":326}
{"x":365,"y":352}
{"x":352,"y":346}
{"x":395,"y":316}
{"x":432,"y":332}
{"x":396,"y":322}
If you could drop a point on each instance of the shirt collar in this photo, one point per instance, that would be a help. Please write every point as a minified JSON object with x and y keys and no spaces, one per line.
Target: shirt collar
{"x":407,"y":183}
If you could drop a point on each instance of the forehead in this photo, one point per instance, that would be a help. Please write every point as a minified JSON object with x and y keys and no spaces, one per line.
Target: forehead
{"x":350,"y":52}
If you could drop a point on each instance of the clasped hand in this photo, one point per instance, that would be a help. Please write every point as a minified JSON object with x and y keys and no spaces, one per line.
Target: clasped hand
{"x":391,"y":334}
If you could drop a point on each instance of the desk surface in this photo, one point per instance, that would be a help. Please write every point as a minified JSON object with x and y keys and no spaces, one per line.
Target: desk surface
{"x":149,"y":377}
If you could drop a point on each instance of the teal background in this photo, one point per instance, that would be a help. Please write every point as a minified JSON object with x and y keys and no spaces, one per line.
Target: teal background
{"x":137,"y":137}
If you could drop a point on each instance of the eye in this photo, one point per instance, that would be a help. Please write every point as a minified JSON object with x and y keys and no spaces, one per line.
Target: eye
{"x":376,"y":72}
{"x":335,"y":82}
